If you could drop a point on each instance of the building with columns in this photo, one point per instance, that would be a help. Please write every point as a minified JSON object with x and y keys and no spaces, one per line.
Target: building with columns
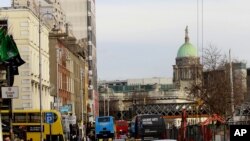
{"x":187,"y":68}
{"x":23,"y":24}
{"x":64,"y":73}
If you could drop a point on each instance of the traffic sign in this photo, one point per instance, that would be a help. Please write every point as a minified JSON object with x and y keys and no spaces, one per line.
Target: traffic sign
{"x":49,"y":118}
{"x":10,"y":92}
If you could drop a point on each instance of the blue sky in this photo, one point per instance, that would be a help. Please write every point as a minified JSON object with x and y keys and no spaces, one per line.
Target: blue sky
{"x":140,"y":38}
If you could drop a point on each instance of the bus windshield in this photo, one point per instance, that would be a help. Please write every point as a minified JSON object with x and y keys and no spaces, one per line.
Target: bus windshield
{"x":104,"y":119}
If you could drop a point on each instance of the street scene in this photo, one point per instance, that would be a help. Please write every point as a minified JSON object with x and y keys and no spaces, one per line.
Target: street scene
{"x":134,"y":70}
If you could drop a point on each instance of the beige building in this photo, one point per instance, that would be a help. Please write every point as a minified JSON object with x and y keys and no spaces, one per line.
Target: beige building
{"x":23,"y":24}
{"x":80,"y":15}
{"x":51,"y":11}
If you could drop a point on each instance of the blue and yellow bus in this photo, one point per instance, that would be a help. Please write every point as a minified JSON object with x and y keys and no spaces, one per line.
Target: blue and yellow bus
{"x":105,"y":127}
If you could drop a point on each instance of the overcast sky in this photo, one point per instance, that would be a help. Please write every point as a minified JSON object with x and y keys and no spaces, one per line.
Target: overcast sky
{"x":5,"y":3}
{"x":140,"y":38}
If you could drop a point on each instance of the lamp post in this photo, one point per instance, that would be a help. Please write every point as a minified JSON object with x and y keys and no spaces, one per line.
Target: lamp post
{"x":81,"y":96}
{"x":40,"y":16}
{"x":40,"y":76}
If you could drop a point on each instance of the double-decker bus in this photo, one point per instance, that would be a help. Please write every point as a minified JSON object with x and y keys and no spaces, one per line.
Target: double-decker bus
{"x":121,"y":129}
{"x":105,"y":127}
{"x":149,"y":127}
{"x":27,"y":122}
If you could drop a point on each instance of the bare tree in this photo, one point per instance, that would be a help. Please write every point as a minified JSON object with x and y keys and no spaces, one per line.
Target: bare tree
{"x":213,"y":59}
{"x":214,"y":89}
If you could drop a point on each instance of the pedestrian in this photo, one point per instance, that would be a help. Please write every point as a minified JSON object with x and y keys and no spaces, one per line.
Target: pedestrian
{"x":88,"y":139}
{"x":7,"y":138}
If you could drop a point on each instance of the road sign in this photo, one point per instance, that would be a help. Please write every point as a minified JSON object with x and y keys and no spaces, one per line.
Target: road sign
{"x":66,"y":108}
{"x":49,"y":118}
{"x":10,"y":92}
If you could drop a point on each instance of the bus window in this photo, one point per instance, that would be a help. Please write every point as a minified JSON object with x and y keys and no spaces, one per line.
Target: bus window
{"x":20,"y":117}
{"x":5,"y":116}
{"x":34,"y":117}
{"x":104,"y":119}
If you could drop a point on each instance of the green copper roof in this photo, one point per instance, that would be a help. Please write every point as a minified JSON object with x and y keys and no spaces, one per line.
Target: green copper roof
{"x":187,"y":50}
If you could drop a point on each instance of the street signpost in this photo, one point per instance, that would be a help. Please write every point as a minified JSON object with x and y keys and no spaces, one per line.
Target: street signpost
{"x":49,"y":118}
{"x":9,"y":92}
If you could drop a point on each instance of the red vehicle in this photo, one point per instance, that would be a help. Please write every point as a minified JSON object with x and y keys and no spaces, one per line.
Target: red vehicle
{"x":121,"y":129}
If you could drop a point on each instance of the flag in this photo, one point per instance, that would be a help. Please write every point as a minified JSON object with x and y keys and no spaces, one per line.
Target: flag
{"x":9,"y":54}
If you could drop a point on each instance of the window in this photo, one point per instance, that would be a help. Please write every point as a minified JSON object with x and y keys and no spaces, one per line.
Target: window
{"x":26,"y":105}
{"x":25,"y":73}
{"x":26,"y":81}
{"x":24,"y":33}
{"x":5,"y":117}
{"x":25,"y":89}
{"x":26,"y":65}
{"x":106,"y":119}
{"x":24,"y":24}
{"x":34,"y":117}
{"x":25,"y":57}
{"x":26,"y":97}
{"x":20,"y":117}
{"x":24,"y":49}
{"x":4,"y":24}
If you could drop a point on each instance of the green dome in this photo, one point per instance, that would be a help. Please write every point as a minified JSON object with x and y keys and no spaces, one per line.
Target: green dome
{"x":187,"y":50}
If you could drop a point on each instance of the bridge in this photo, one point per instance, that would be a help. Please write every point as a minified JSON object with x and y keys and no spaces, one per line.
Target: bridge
{"x":169,"y":107}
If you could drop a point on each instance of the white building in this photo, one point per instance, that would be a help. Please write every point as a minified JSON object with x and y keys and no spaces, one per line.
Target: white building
{"x":23,"y":24}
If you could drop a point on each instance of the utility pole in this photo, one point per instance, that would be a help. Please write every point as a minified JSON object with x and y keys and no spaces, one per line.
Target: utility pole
{"x":10,"y":79}
{"x":232,"y":87}
{"x":1,"y":133}
{"x":81,"y":96}
{"x":108,"y":100}
{"x":57,"y":70}
{"x":104,"y":98}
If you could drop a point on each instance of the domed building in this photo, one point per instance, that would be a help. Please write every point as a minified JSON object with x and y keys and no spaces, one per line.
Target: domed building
{"x":188,"y":69}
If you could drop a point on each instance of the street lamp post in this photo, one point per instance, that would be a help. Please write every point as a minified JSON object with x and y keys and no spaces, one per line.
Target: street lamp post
{"x":40,"y":16}
{"x":82,"y":105}
{"x":40,"y":76}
